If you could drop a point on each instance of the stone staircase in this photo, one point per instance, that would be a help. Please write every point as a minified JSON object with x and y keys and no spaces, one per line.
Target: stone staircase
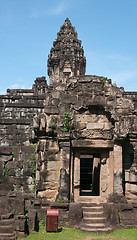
{"x":7,"y":227}
{"x":94,"y":220}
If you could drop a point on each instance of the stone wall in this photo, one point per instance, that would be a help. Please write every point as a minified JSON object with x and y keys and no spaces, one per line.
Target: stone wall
{"x":101,"y":116}
{"x":17,"y":152}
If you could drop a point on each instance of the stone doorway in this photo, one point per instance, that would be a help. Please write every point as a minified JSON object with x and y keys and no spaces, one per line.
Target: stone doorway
{"x":89,"y":175}
{"x":99,"y":163}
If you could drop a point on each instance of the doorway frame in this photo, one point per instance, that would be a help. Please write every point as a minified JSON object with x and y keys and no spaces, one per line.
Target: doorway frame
{"x":91,"y":149}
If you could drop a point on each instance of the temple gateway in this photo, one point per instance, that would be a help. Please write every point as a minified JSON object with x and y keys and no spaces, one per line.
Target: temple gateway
{"x":71,"y":142}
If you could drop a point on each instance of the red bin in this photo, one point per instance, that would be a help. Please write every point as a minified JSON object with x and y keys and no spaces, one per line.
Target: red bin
{"x":52,"y":220}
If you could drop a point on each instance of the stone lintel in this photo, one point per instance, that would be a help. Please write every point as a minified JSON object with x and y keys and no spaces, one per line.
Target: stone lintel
{"x":93,"y":143}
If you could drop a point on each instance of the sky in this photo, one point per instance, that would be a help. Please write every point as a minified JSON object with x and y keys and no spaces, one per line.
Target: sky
{"x":107,"y":28}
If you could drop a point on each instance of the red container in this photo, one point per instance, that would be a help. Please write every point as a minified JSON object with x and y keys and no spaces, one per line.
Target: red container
{"x":52,"y":220}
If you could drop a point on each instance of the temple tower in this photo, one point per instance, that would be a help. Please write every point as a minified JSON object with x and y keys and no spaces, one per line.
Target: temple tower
{"x":66,"y":58}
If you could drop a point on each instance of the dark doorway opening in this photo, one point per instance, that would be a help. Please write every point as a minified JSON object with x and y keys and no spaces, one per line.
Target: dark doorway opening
{"x":89,"y":175}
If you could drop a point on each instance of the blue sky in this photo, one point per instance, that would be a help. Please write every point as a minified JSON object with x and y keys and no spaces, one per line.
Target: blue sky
{"x":107,"y":28}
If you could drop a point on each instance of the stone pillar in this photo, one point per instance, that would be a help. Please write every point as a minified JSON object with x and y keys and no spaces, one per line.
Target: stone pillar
{"x":76,"y":176}
{"x":117,"y":181}
{"x":111,"y":170}
{"x":95,"y":176}
{"x":64,"y":189}
{"x":104,"y":174}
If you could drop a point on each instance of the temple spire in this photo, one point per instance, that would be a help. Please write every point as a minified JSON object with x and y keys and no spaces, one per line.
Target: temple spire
{"x":66,"y":58}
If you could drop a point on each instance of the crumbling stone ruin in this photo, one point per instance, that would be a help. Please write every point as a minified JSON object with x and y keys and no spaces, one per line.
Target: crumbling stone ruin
{"x":67,"y":144}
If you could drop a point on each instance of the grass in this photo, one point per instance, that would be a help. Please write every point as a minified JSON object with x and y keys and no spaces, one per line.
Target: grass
{"x":73,"y":234}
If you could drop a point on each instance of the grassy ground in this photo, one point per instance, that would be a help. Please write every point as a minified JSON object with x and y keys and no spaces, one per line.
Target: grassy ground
{"x":73,"y":234}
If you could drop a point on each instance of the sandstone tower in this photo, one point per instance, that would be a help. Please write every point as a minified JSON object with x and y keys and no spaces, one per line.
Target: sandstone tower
{"x":66,"y":58}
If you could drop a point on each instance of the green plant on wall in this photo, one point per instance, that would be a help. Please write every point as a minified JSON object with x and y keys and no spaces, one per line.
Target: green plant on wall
{"x":6,"y":170}
{"x":60,"y":201}
{"x":52,"y":125}
{"x":91,"y":187}
{"x":103,"y":81}
{"x":66,"y":121}
{"x":14,"y":153}
{"x":33,"y":166}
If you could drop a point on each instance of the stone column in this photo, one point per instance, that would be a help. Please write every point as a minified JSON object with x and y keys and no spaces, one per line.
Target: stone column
{"x":117,"y":158}
{"x":76,"y":176}
{"x":64,"y":189}
{"x":111,"y":170}
{"x":95,"y":176}
{"x":104,"y":174}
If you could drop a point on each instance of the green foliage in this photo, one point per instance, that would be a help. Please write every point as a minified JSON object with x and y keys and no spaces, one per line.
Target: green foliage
{"x":6,"y":170}
{"x":32,"y":157}
{"x":103,"y":81}
{"x":33,"y":147}
{"x":32,"y":164}
{"x":52,"y":125}
{"x":21,"y":213}
{"x":66,"y":121}
{"x":42,"y":220}
{"x":27,"y":209}
{"x":14,"y":153}
{"x":60,"y":201}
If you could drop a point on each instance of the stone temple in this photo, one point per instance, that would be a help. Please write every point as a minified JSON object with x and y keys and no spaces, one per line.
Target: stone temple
{"x":71,"y":142}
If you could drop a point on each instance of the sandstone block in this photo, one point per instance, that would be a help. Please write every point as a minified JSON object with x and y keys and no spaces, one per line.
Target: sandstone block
{"x":95,"y":125}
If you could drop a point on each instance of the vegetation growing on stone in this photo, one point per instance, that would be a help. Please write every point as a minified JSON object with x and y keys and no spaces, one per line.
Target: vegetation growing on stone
{"x":66,"y":121}
{"x":52,"y":125}
{"x":6,"y":170}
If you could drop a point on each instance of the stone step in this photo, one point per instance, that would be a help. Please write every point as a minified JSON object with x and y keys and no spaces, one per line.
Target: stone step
{"x":96,"y":230}
{"x":4,"y":222}
{"x":93,"y":214}
{"x":94,"y":220}
{"x":93,"y":209}
{"x":92,"y":204}
{"x":7,"y":236}
{"x":6,"y":229}
{"x":94,"y":225}
{"x":91,"y":199}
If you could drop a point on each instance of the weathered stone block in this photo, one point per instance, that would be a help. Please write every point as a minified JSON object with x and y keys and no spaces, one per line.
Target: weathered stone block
{"x":95,"y":125}
{"x":128,"y":218}
{"x":111,"y":213}
{"x":33,"y":223}
{"x":49,"y":194}
{"x":75,"y":214}
{"x":51,"y":166}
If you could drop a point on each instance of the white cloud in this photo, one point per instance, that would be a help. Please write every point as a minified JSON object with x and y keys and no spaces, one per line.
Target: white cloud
{"x":56,"y":10}
{"x":15,"y":85}
{"x":19,"y":86}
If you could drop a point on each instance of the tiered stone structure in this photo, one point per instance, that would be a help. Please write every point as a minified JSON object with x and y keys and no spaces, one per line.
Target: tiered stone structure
{"x":66,"y":58}
{"x":71,"y":140}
